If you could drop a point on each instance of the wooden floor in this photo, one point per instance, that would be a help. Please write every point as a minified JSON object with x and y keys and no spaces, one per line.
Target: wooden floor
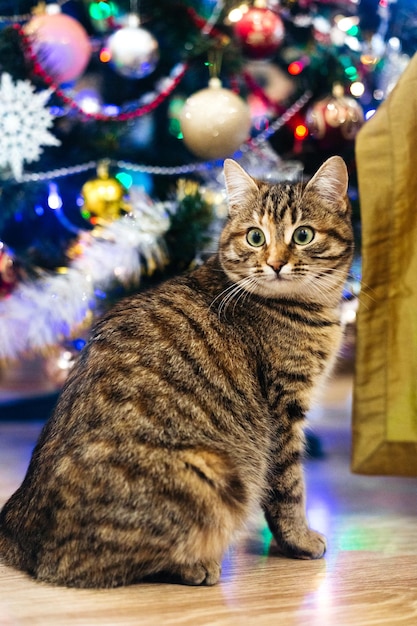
{"x":368,"y":577}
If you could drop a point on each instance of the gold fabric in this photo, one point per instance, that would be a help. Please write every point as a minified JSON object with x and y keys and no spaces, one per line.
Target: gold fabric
{"x":385,"y":387}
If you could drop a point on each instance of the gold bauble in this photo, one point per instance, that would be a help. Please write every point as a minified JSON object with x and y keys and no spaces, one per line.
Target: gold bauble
{"x":104,"y":197}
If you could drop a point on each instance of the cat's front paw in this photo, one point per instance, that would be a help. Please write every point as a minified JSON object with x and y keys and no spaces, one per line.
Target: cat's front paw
{"x":304,"y":544}
{"x":207,"y":573}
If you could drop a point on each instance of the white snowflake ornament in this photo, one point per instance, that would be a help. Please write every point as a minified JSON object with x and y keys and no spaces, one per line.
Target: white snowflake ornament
{"x":24,"y":123}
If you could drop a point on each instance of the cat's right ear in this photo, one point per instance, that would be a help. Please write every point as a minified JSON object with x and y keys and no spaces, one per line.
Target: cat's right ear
{"x":331,"y":182}
{"x":239,"y":185}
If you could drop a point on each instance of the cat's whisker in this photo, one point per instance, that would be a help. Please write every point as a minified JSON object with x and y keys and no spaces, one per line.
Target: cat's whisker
{"x":245,"y":292}
{"x":224,"y":297}
{"x":323,"y":283}
{"x":237,"y":289}
{"x":241,"y":290}
{"x":368,"y":291}
{"x":360,"y":294}
{"x":224,"y":293}
{"x":344,"y":298}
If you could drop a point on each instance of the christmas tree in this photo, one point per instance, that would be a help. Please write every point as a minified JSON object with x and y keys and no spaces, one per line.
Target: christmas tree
{"x":115,"y":119}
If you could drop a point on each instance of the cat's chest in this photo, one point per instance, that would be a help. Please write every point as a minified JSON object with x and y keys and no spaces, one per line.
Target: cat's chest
{"x":293,"y":341}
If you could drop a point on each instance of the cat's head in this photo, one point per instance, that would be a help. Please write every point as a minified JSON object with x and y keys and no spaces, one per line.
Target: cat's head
{"x":288,"y":240}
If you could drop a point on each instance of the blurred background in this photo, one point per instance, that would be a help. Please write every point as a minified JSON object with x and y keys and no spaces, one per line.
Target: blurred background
{"x":115,"y":119}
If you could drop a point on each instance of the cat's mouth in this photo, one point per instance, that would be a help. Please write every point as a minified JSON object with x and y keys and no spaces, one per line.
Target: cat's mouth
{"x":275,"y":283}
{"x":279,"y":276}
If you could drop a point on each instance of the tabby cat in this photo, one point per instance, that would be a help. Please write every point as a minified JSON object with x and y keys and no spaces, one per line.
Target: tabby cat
{"x":186,"y":408}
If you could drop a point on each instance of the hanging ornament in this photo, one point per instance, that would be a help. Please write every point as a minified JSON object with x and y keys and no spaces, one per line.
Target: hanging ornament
{"x":8,"y":271}
{"x":335,"y":119}
{"x":61,"y":45}
{"x":104,"y":197}
{"x":260,"y":32}
{"x":134,"y":52}
{"x":214,"y":121}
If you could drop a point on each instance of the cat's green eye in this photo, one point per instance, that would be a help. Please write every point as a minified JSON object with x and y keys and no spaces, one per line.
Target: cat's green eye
{"x":255,"y":237}
{"x":303,"y":235}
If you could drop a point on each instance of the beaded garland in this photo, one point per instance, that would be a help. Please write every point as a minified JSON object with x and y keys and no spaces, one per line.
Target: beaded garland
{"x":178,"y":72}
{"x":179,"y":170}
{"x":175,"y":78}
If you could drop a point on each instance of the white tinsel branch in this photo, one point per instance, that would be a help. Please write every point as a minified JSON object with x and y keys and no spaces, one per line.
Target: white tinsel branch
{"x":40,"y":313}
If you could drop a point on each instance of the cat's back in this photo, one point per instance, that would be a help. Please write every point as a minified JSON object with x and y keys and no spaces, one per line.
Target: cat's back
{"x":164,"y":366}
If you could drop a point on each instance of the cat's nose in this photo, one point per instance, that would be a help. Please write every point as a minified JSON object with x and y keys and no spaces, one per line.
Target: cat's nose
{"x":277,"y":265}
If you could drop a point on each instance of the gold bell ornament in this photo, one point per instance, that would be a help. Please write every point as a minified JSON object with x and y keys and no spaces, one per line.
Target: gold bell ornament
{"x":104,"y":198}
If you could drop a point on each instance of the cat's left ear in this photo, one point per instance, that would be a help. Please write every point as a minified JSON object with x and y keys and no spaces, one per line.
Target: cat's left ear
{"x":331,"y":182}
{"x":239,"y":185}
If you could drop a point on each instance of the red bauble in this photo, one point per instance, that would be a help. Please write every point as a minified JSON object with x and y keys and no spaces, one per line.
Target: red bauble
{"x":334,"y":120}
{"x":260,"y":32}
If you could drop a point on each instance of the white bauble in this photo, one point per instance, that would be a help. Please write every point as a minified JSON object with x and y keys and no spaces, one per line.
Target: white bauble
{"x":134,"y":51}
{"x":214,"y":122}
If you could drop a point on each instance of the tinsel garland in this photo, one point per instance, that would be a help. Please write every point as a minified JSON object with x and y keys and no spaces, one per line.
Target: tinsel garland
{"x":41,"y":313}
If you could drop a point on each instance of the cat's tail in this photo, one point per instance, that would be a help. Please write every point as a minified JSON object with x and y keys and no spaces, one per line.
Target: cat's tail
{"x":11,"y":553}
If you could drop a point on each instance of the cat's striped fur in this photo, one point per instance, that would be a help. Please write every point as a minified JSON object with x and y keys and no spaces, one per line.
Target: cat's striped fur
{"x":186,"y":408}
